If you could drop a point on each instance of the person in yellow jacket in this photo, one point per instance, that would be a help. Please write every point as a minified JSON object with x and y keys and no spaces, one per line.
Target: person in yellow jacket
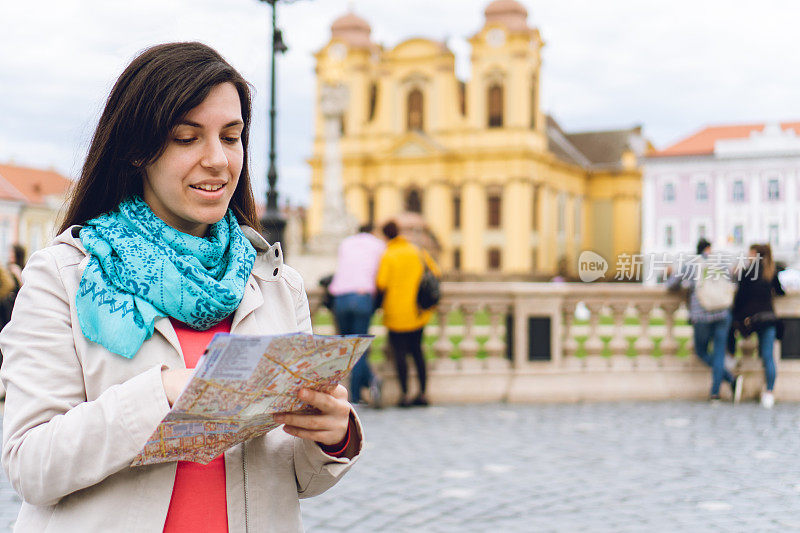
{"x":399,"y":274}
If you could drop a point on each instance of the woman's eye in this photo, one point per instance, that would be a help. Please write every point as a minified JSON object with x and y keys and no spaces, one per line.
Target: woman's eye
{"x":231,"y":140}
{"x":185,"y":141}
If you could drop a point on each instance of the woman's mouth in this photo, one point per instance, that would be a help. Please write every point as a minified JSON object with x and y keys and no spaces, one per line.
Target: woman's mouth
{"x":208,"y":187}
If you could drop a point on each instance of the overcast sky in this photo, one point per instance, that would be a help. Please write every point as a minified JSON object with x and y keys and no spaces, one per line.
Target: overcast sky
{"x":671,"y":66}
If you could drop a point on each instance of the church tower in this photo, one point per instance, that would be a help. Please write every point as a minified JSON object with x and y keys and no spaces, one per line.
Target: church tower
{"x":503,"y":91}
{"x":503,"y":190}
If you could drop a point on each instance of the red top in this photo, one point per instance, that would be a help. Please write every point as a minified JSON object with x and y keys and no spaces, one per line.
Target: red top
{"x":199,"y":501}
{"x":198,"y":498}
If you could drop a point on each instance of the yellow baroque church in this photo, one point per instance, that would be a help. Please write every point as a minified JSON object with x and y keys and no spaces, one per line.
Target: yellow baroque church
{"x":505,"y":191}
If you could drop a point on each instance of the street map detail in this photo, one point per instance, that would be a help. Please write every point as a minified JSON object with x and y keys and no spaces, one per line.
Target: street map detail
{"x":240,"y":383}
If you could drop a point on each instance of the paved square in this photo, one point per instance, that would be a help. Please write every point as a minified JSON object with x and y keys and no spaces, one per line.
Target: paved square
{"x":673,"y":466}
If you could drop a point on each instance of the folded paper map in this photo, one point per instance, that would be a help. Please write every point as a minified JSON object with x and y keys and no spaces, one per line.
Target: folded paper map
{"x":240,"y":383}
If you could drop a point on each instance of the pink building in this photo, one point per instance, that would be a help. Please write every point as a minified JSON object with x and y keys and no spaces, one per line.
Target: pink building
{"x":733,"y":185}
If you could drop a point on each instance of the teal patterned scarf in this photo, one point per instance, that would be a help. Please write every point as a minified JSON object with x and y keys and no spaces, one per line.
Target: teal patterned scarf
{"x":141,"y":269}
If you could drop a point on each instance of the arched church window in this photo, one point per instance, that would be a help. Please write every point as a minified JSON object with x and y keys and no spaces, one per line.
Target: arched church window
{"x":495,"y":106}
{"x":373,"y":100}
{"x":494,"y":205}
{"x":414,"y":201}
{"x":414,"y":110}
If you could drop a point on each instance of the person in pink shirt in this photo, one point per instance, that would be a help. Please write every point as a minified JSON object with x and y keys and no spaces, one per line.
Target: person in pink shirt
{"x":353,"y":291}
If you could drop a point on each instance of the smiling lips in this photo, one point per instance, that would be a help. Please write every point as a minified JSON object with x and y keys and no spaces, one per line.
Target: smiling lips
{"x":208,"y":187}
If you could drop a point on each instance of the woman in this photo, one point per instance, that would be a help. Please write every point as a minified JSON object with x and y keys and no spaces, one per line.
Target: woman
{"x":158,"y":251}
{"x":753,"y":311}
{"x":399,"y":274}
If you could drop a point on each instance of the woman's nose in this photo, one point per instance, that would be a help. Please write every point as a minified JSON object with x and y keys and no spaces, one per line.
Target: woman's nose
{"x":214,"y":157}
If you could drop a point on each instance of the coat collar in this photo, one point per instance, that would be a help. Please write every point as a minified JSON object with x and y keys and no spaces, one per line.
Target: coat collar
{"x":268,"y":266}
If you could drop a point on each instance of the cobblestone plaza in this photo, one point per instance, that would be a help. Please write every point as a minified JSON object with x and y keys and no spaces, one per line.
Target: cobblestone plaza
{"x":672,"y":466}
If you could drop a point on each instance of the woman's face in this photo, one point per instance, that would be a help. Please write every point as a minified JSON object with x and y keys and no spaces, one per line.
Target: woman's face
{"x":190,"y":185}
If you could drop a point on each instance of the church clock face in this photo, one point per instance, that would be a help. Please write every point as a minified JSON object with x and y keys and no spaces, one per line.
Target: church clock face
{"x":338,"y":51}
{"x":496,"y":37}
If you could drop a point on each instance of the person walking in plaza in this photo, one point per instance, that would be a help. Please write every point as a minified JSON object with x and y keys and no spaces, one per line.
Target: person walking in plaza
{"x":158,"y":251}
{"x":17,"y":262}
{"x":353,"y":291}
{"x":753,"y":312}
{"x":399,"y":275}
{"x":710,"y":297}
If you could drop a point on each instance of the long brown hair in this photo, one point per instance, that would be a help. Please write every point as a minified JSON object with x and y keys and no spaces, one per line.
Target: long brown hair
{"x":152,"y":95}
{"x":767,"y":265}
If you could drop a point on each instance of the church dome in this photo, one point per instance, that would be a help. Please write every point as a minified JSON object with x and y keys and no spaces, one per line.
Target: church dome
{"x":508,"y":12}
{"x":351,"y":29}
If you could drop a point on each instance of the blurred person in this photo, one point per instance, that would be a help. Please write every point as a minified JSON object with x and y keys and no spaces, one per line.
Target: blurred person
{"x":753,"y":311}
{"x":8,"y":293}
{"x":399,"y":274}
{"x":159,"y":251}
{"x":10,"y":283}
{"x":17,"y":263}
{"x":710,"y":297}
{"x":562,"y":271}
{"x":354,"y":298}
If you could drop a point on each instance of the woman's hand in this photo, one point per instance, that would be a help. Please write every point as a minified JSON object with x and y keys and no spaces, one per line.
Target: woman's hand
{"x":174,"y":381}
{"x":329,"y":426}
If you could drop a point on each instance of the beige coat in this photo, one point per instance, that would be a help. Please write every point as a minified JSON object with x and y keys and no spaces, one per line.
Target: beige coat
{"x":76,"y":414}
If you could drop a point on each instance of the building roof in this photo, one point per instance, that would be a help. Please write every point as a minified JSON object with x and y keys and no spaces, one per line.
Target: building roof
{"x":353,"y":30}
{"x":605,"y":147}
{"x":508,"y":12}
{"x":8,"y":192}
{"x":703,"y":141}
{"x":32,"y":184}
{"x":559,"y":145}
{"x":592,"y":149}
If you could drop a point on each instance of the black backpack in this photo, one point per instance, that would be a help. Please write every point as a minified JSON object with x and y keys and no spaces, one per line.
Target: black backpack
{"x":327,"y":297}
{"x":429,"y":292}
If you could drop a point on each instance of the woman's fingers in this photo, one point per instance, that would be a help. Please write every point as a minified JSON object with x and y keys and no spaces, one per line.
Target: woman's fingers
{"x":174,"y":380}
{"x":329,"y":426}
{"x":334,"y":402}
{"x":340,"y":393}
{"x":303,"y":433}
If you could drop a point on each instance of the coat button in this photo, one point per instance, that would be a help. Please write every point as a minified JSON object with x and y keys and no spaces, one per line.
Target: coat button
{"x":275,"y":272}
{"x":277,"y":253}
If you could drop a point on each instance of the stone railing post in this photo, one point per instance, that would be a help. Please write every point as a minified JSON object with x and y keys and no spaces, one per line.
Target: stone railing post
{"x":442,"y":346}
{"x":669,"y":345}
{"x":644,"y":344}
{"x":570,"y":344}
{"x":538,"y":329}
{"x":594,"y":344}
{"x":618,"y":343}
{"x":469,"y":345}
{"x":495,"y":347}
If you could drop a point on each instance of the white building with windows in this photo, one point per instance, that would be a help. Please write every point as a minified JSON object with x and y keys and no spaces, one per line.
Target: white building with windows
{"x":733,"y":185}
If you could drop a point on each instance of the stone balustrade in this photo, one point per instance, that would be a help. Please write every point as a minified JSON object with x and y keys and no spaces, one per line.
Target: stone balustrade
{"x":573,"y":342}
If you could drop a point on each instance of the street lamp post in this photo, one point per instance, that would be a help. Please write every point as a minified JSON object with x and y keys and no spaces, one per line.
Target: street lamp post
{"x":273,"y":223}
